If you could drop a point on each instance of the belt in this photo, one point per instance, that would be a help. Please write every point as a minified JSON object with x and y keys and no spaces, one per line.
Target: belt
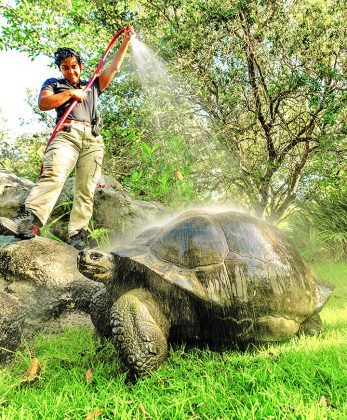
{"x":77,"y":122}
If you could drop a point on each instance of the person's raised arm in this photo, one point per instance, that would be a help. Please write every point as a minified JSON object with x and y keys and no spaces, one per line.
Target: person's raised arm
{"x":108,"y":74}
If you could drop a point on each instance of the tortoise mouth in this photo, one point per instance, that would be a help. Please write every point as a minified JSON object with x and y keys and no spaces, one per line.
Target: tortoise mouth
{"x":88,"y":267}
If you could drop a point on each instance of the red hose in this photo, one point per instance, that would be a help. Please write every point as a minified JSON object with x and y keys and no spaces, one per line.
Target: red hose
{"x":75,"y":101}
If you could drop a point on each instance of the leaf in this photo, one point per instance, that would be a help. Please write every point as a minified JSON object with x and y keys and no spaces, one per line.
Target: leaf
{"x":179,"y":175}
{"x":130,"y":137}
{"x":143,"y":411}
{"x":324,"y":401}
{"x":94,"y":414}
{"x":89,"y":375}
{"x":164,"y":180}
{"x":33,"y":370}
{"x":135,"y":176}
{"x":146,"y":149}
{"x":32,"y":374}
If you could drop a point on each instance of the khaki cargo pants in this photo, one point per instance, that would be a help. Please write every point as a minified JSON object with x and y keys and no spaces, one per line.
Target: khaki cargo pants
{"x":75,"y":149}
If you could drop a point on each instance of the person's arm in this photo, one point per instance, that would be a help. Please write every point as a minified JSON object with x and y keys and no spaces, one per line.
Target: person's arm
{"x":49,"y":100}
{"x":108,"y":74}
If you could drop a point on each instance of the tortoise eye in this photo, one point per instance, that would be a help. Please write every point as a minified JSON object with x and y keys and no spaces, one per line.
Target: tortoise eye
{"x":95,"y":256}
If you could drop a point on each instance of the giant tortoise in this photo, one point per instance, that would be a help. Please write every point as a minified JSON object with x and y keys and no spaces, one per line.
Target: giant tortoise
{"x":214,"y":277}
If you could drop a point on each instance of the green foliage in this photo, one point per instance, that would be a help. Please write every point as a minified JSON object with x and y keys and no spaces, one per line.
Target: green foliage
{"x":319,"y":227}
{"x":304,"y":378}
{"x":162,"y":173}
{"x":56,"y":227}
{"x":100,"y":235}
{"x":147,"y":150}
{"x":24,"y":155}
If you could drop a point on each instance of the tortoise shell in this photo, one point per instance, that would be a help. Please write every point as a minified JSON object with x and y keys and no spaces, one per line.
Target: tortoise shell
{"x":229,"y":259}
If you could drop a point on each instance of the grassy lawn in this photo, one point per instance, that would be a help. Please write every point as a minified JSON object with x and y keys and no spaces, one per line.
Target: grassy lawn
{"x":305,"y":378}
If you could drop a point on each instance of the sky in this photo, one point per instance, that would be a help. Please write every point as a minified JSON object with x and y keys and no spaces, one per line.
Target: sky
{"x":18,"y":73}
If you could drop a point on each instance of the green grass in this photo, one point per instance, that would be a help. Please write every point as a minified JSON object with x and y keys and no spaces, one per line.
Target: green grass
{"x":305,"y":378}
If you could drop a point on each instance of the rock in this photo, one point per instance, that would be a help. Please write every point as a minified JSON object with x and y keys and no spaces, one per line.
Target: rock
{"x":114,"y":209}
{"x":42,"y":275}
{"x":68,"y":319}
{"x":11,"y":325}
{"x":13,"y":192}
{"x":117,"y":211}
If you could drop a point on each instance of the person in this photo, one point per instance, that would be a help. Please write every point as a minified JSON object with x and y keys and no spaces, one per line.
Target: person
{"x":76,"y":145}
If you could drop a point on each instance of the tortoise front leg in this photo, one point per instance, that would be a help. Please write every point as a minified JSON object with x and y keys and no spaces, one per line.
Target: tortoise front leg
{"x":140,"y":332}
{"x":99,"y":310}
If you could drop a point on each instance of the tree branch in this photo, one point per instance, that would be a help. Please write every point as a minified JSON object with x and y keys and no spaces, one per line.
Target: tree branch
{"x":251,"y":63}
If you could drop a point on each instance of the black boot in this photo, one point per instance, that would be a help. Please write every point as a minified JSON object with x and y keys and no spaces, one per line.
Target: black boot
{"x":22,"y":225}
{"x":82,"y":241}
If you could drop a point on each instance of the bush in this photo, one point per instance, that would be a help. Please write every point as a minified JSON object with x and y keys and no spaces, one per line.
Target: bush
{"x":319,"y":227}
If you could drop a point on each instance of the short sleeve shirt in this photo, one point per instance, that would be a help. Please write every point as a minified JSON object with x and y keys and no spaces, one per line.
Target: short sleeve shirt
{"x":84,"y":111}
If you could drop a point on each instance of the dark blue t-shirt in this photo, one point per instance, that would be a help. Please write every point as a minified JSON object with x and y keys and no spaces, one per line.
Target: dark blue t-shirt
{"x":84,"y":111}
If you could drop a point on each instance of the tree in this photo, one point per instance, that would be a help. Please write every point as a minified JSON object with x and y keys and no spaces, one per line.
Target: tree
{"x":268,"y":76}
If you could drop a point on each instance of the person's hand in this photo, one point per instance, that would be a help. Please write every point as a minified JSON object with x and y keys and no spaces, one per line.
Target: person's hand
{"x":79,"y":94}
{"x":128,"y":29}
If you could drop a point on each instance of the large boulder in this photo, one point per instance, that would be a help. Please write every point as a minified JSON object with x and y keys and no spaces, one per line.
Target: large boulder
{"x":11,"y":325}
{"x":41,"y":274}
{"x":117,"y":211}
{"x":114,"y":209}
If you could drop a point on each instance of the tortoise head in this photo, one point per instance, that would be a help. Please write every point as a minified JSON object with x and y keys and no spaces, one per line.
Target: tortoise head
{"x":95,"y":265}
